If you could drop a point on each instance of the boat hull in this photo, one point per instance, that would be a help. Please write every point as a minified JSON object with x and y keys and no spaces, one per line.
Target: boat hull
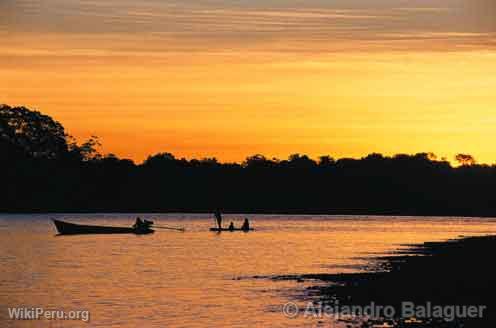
{"x":230,"y":230}
{"x":66,"y":228}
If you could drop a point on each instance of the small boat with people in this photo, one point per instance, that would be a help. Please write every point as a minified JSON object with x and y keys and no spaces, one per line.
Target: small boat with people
{"x":140,"y":227}
{"x":218,"y":218}
{"x":232,"y":230}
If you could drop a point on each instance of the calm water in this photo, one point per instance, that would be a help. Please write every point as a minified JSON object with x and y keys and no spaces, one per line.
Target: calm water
{"x":197,"y":278}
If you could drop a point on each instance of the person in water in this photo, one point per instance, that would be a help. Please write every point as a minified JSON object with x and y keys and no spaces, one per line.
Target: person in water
{"x":139,"y":223}
{"x":246,"y":225}
{"x":142,"y":225}
{"x":231,"y":226}
{"x":218,"y":217}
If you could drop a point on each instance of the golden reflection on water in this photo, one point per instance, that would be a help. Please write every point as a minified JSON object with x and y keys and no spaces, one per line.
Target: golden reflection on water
{"x":197,"y":278}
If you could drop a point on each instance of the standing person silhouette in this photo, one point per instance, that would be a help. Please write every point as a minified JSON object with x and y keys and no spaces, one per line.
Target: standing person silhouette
{"x":218,"y":217}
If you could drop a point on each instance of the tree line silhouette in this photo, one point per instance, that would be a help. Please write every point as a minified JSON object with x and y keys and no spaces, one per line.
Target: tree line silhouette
{"x":46,"y":170}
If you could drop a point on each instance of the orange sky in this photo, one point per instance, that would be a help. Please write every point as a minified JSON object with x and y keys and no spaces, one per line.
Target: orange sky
{"x":216,"y":79}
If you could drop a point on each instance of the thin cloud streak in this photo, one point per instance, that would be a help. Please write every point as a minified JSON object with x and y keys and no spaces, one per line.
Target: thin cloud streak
{"x":223,"y":24}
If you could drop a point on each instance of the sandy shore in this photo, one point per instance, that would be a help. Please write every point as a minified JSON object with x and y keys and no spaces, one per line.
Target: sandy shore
{"x":435,"y":281}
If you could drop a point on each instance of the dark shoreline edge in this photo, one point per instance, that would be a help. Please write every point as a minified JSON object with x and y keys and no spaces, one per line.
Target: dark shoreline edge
{"x":456,"y":272}
{"x":252,"y":212}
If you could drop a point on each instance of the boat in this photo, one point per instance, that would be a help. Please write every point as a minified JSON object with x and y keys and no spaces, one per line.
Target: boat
{"x":230,"y":230}
{"x":67,"y":228}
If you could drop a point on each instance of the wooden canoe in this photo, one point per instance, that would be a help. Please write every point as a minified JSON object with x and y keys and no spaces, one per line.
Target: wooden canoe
{"x":67,"y":228}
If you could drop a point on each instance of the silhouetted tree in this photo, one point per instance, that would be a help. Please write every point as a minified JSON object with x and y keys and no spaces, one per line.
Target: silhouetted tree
{"x":465,"y":159}
{"x":87,"y":151}
{"x":326,"y":161}
{"x":31,"y":132}
{"x":432,"y":156}
{"x":160,"y":159}
{"x":258,"y":161}
{"x":209,"y":161}
{"x":300,"y":161}
{"x":44,"y":169}
{"x":39,"y":136}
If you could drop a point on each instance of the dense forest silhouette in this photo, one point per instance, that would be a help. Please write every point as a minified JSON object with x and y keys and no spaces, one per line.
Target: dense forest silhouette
{"x":46,"y":170}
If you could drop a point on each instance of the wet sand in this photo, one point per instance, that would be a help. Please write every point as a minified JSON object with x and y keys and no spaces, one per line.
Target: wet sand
{"x":454,"y":273}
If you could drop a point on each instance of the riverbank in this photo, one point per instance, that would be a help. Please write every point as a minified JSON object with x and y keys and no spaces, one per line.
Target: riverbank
{"x":245,"y":211}
{"x":453,"y":274}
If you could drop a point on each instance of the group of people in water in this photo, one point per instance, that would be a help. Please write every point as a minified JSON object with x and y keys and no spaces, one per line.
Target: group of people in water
{"x":244,"y":227}
{"x":143,"y":225}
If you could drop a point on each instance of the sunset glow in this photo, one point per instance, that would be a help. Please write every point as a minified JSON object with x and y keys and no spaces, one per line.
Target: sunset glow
{"x":230,"y":79}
